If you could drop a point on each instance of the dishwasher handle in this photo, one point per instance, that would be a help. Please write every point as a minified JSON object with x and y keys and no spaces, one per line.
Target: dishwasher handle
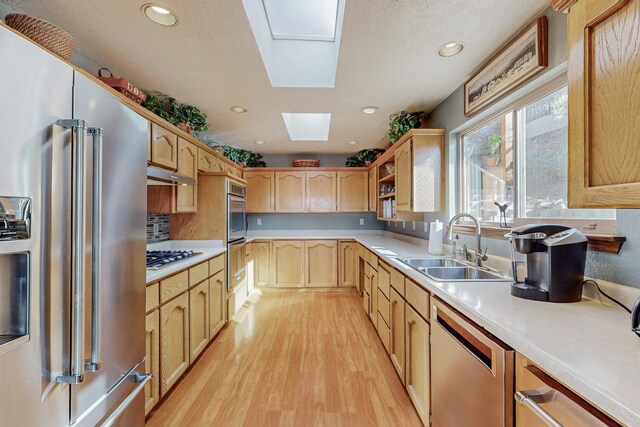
{"x":531,"y":399}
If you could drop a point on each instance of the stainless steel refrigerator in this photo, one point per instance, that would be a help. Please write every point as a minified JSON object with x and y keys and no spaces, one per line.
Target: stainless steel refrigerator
{"x":72,"y":246}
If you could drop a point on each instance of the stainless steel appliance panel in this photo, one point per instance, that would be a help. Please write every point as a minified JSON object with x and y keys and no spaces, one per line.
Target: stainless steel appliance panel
{"x":236,"y":217}
{"x":115,"y":336}
{"x":14,"y":300}
{"x":471,"y":373}
{"x":236,"y":259}
{"x":35,"y":93}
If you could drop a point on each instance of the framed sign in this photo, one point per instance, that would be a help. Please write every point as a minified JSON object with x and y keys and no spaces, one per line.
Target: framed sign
{"x":523,"y":57}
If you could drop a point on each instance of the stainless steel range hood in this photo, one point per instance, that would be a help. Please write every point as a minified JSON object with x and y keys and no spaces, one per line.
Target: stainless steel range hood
{"x":158,"y":176}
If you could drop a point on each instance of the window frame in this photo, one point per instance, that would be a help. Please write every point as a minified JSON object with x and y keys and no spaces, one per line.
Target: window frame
{"x":516,"y":106}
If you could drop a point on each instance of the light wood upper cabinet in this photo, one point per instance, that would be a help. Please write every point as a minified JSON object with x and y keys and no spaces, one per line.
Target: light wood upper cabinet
{"x":321,"y":262}
{"x":217,"y":303}
{"x":404,"y":169}
{"x":152,"y":360}
{"x":260,"y":191}
{"x":397,"y":345}
{"x":417,"y":362}
{"x":164,"y":147}
{"x":603,"y":65}
{"x":373,"y":190}
{"x":419,"y":163}
{"x":187,"y":195}
{"x":288,"y":263}
{"x":321,"y":191}
{"x":290,"y":192}
{"x":198,"y":319}
{"x":353,"y":191}
{"x":347,"y":261}
{"x":261,"y":263}
{"x":207,"y":162}
{"x":174,"y":341}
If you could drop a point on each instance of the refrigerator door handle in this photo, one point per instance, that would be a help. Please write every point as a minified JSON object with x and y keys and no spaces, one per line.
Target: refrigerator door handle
{"x":94,"y":364}
{"x":76,"y":371}
{"x":141,"y":380}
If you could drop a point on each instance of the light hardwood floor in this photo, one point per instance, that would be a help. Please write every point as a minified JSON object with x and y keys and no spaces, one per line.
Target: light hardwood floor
{"x":292,"y":359}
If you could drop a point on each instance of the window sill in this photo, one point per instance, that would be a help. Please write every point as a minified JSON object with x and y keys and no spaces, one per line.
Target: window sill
{"x":597,"y":242}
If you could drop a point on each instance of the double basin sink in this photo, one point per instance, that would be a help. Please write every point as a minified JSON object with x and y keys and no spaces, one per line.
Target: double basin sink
{"x":449,"y":270}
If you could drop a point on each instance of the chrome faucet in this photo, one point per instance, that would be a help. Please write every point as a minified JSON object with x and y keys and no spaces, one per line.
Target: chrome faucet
{"x":479,"y":255}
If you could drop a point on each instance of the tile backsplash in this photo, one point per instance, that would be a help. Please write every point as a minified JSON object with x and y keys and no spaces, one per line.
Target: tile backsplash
{"x":158,"y":226}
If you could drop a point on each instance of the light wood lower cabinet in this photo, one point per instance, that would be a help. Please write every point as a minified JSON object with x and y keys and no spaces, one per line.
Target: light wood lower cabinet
{"x":321,"y":258}
{"x":174,"y":341}
{"x":373,"y":313}
{"x":347,"y":254}
{"x":397,"y":345}
{"x":288,"y":263}
{"x":217,"y":303}
{"x":261,"y":255}
{"x":417,"y":362}
{"x":198,"y":319}
{"x":152,"y":360}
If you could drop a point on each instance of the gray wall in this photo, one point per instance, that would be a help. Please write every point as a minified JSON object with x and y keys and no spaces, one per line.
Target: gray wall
{"x":284,"y":160}
{"x":623,"y":268}
{"x":327,"y":221}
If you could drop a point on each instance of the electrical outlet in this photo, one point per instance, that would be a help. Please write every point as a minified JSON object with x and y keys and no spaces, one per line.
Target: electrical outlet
{"x":413,"y":224}
{"x":259,"y":221}
{"x":361,"y":221}
{"x":426,"y":226}
{"x":403,"y":225}
{"x":156,"y":229}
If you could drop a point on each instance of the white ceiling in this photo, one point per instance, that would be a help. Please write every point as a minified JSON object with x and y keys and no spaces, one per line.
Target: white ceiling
{"x":210,"y":59}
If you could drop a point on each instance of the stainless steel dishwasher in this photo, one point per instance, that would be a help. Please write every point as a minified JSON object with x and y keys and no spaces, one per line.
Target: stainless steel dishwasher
{"x":472,"y":373}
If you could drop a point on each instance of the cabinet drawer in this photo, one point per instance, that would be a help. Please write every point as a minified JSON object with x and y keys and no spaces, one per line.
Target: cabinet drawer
{"x":362,"y":252}
{"x":216,"y":264}
{"x":385,"y":335}
{"x":397,"y":281}
{"x":373,"y":260}
{"x":418,"y":298}
{"x":153,"y":297}
{"x":384,"y":279}
{"x":384,"y":307}
{"x":174,"y":285}
{"x":198,"y":273}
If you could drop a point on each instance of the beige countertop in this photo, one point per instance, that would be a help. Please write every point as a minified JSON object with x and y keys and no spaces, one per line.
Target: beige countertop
{"x":205,"y":250}
{"x":586,"y":345}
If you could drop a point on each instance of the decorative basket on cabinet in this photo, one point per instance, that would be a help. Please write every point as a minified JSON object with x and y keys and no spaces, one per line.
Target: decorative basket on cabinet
{"x":306,"y":163}
{"x":47,"y":35}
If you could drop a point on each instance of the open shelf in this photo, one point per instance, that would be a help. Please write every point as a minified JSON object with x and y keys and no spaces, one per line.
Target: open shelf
{"x":389,"y":178}
{"x":386,"y":196}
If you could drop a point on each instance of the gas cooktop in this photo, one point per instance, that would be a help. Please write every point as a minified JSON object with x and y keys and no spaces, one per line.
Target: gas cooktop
{"x":157,"y":259}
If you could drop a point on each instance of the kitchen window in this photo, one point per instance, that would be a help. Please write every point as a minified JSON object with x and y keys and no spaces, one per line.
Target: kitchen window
{"x":519,"y":158}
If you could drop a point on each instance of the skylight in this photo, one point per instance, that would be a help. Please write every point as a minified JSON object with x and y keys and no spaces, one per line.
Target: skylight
{"x":302,"y":19}
{"x":299,"y":40}
{"x":307,"y":126}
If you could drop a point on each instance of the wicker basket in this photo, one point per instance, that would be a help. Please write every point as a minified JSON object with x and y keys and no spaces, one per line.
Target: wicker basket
{"x":306,"y":163}
{"x":46,"y":35}
{"x":122,"y":86}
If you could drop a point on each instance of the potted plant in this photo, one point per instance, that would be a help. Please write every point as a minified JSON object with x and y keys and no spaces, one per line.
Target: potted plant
{"x":494,"y":146}
{"x":402,"y":122}
{"x":186,"y":117}
{"x":244,"y":157}
{"x":364,"y":157}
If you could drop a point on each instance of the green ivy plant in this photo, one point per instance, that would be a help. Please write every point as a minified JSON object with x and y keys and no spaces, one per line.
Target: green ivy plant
{"x":244,"y":157}
{"x":360,"y":159}
{"x":402,"y":122}
{"x":494,"y":144}
{"x":174,"y":112}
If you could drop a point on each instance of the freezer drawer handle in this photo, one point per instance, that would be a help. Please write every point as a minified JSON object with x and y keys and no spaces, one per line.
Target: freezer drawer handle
{"x":531,"y":399}
{"x":141,"y":380}
{"x":76,"y":373}
{"x":94,"y":364}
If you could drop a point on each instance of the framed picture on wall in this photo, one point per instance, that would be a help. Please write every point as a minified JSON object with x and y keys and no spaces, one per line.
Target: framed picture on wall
{"x":523,"y":57}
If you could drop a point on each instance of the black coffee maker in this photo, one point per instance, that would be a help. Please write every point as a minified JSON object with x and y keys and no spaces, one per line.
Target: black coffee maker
{"x":556,"y":257}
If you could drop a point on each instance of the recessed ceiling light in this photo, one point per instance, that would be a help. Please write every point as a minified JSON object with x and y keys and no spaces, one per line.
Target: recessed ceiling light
{"x":369,"y":110}
{"x":352,"y":142}
{"x":238,"y":109}
{"x":450,"y":49}
{"x":159,"y":15}
{"x":260,"y":142}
